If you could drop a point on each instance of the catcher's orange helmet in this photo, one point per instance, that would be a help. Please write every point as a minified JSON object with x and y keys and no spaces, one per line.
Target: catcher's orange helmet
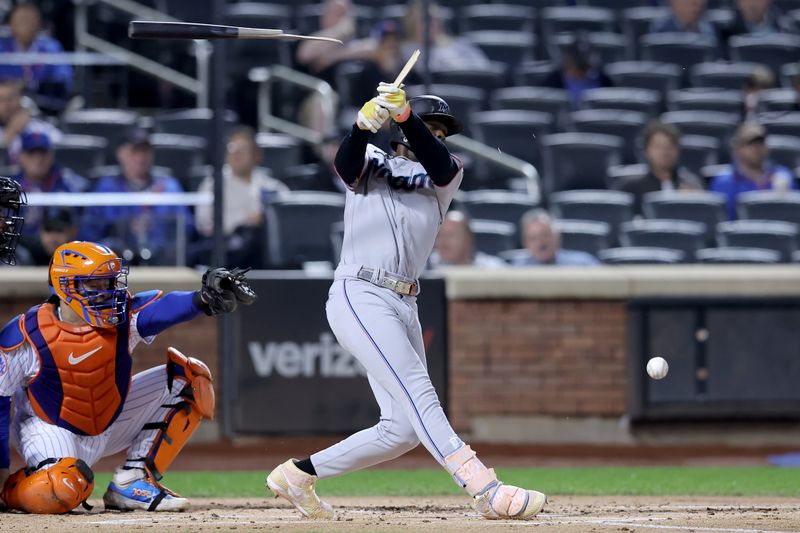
{"x":92,"y":280}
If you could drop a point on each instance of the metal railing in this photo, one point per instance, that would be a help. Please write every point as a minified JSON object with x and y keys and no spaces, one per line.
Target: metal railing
{"x":265,"y":77}
{"x":202,"y":49}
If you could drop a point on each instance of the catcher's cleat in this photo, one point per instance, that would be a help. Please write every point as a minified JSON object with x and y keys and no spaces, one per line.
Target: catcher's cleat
{"x":509,"y":502}
{"x":141,"y":493}
{"x":294,"y":485}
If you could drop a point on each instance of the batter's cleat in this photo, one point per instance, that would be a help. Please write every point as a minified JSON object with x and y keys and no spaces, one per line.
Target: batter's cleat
{"x":142,"y":494}
{"x":509,"y":502}
{"x":291,"y":483}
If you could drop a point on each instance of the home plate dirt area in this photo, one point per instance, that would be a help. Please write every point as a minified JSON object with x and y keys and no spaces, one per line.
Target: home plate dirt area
{"x":440,"y":514}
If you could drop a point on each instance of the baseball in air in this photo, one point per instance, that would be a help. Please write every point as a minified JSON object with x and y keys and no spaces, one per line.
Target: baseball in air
{"x":657,"y":368}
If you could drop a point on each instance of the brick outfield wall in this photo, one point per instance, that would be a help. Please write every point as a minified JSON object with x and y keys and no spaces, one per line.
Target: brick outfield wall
{"x":561,"y":358}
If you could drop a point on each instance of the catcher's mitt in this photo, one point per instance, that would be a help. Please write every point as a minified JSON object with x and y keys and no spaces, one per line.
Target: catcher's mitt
{"x":223,"y":289}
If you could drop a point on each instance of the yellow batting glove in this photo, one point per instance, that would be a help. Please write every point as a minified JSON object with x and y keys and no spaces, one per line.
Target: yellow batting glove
{"x":393,"y":99}
{"x":371,"y":116}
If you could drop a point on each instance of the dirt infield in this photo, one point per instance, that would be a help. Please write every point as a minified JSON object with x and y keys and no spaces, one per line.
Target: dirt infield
{"x":441,"y":514}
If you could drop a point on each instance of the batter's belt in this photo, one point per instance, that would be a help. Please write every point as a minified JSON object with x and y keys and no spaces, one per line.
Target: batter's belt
{"x":387,"y":280}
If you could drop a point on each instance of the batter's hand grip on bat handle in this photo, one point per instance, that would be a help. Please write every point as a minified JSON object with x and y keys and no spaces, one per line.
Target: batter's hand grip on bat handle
{"x":139,"y":29}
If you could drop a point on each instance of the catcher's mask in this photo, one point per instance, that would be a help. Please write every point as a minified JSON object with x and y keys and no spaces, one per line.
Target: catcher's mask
{"x":92,"y":280}
{"x":427,"y":107}
{"x":12,"y":198}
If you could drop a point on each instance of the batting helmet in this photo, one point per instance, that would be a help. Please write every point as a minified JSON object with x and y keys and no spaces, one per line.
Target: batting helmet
{"x":12,"y":198}
{"x":92,"y":280}
{"x":427,"y":107}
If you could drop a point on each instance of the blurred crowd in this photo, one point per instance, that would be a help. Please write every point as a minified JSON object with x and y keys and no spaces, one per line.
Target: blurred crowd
{"x":36,"y":101}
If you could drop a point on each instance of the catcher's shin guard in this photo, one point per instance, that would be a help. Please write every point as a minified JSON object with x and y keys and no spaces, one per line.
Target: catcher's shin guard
{"x":491,"y":498}
{"x":54,"y":490}
{"x":184,"y":417}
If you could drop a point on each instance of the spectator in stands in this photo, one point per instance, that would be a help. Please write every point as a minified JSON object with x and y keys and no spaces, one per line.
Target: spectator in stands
{"x":686,"y":16}
{"x":662,"y":152}
{"x":59,"y":225}
{"x":245,"y":187}
{"x":49,"y":84}
{"x":455,"y":245}
{"x":759,"y":17}
{"x":795,"y":82}
{"x":447,"y":52}
{"x":15,"y":119}
{"x":543,"y":244}
{"x":40,"y":173}
{"x":141,"y":233}
{"x":751,"y":169}
{"x":761,"y":80}
{"x":578,"y":71}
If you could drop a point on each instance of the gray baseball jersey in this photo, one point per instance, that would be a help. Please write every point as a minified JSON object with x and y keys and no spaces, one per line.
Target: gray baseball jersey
{"x":393,"y":213}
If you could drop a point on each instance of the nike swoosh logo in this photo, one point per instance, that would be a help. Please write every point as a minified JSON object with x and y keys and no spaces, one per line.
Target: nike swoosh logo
{"x":75,"y":360}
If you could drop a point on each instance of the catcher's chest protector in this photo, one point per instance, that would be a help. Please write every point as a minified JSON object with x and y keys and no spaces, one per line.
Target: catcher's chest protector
{"x":84,"y":374}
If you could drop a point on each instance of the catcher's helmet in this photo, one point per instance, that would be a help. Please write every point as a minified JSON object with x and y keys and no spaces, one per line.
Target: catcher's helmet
{"x":427,"y":107}
{"x":92,"y":280}
{"x":12,"y":198}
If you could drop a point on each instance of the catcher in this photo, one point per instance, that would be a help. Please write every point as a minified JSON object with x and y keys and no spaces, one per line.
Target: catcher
{"x":67,"y":363}
{"x":12,"y":198}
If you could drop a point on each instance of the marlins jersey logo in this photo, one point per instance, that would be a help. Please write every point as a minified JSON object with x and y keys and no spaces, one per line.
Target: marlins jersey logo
{"x":377,"y":168}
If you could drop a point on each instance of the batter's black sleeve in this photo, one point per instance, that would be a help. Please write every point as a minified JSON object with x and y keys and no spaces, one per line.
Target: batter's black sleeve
{"x":442,"y":167}
{"x":349,"y":161}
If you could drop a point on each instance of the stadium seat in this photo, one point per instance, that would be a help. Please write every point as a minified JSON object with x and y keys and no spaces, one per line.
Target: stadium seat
{"x":258,"y":15}
{"x":683,"y":49}
{"x":110,"y":124}
{"x":573,"y":19}
{"x":631,"y":99}
{"x":784,"y":149}
{"x":716,"y":124}
{"x":245,"y":54}
{"x":507,"y":47}
{"x":698,"y":151}
{"x":769,"y":234}
{"x":493,"y":236}
{"x":398,"y":12}
{"x":773,"y":50}
{"x":178,"y":152}
{"x":583,"y":235}
{"x":617,"y":4}
{"x":651,"y":75}
{"x":705,"y":99}
{"x":315,"y":213}
{"x":607,"y":46}
{"x":197,"y":121}
{"x":578,"y":160}
{"x":308,"y":18}
{"x":796,"y":257}
{"x":617,"y":174}
{"x":788,"y":72}
{"x":735,"y":255}
{"x":487,"y":78}
{"x":512,"y":131}
{"x":640,"y":255}
{"x":721,"y":18}
{"x":778,"y":99}
{"x":707,"y":208}
{"x":196,"y":176}
{"x":781,"y":123}
{"x":533,"y":73}
{"x":463,"y":100}
{"x":346,"y":76}
{"x":610,"y":207}
{"x":722,"y":74}
{"x":684,"y":235}
{"x":505,"y":206}
{"x":625,"y":124}
{"x":81,"y":153}
{"x":302,"y":177}
{"x":542,"y":99}
{"x":636,"y":21}
{"x":280,"y":151}
{"x":769,"y":205}
{"x":502,"y":17}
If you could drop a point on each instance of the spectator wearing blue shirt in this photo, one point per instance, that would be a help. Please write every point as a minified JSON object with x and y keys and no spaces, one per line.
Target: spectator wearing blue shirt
{"x":49,"y":84}
{"x":145,"y":233}
{"x":543,"y":244}
{"x":15,"y":120}
{"x":686,"y":16}
{"x":752,"y":170}
{"x":40,"y":173}
{"x":578,"y":71}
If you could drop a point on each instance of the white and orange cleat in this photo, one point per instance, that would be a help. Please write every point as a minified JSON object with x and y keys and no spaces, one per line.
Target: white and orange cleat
{"x":296,"y":486}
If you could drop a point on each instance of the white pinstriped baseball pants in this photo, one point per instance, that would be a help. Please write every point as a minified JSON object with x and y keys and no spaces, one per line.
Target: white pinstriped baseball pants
{"x":383,"y":332}
{"x":36,"y":440}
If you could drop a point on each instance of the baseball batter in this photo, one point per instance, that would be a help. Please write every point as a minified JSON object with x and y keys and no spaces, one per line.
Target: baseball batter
{"x":12,"y":198}
{"x":394,"y":206}
{"x":66,"y":364}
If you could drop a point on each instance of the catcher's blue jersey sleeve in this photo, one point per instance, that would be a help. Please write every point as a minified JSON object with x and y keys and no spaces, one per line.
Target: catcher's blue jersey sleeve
{"x":5,"y":411}
{"x":157,"y":314}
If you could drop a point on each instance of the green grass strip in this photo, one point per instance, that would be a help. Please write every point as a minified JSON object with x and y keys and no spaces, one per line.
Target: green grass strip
{"x":611,"y":481}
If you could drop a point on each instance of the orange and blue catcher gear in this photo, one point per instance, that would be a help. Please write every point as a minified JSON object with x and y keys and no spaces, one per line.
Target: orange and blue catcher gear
{"x":92,"y":280}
